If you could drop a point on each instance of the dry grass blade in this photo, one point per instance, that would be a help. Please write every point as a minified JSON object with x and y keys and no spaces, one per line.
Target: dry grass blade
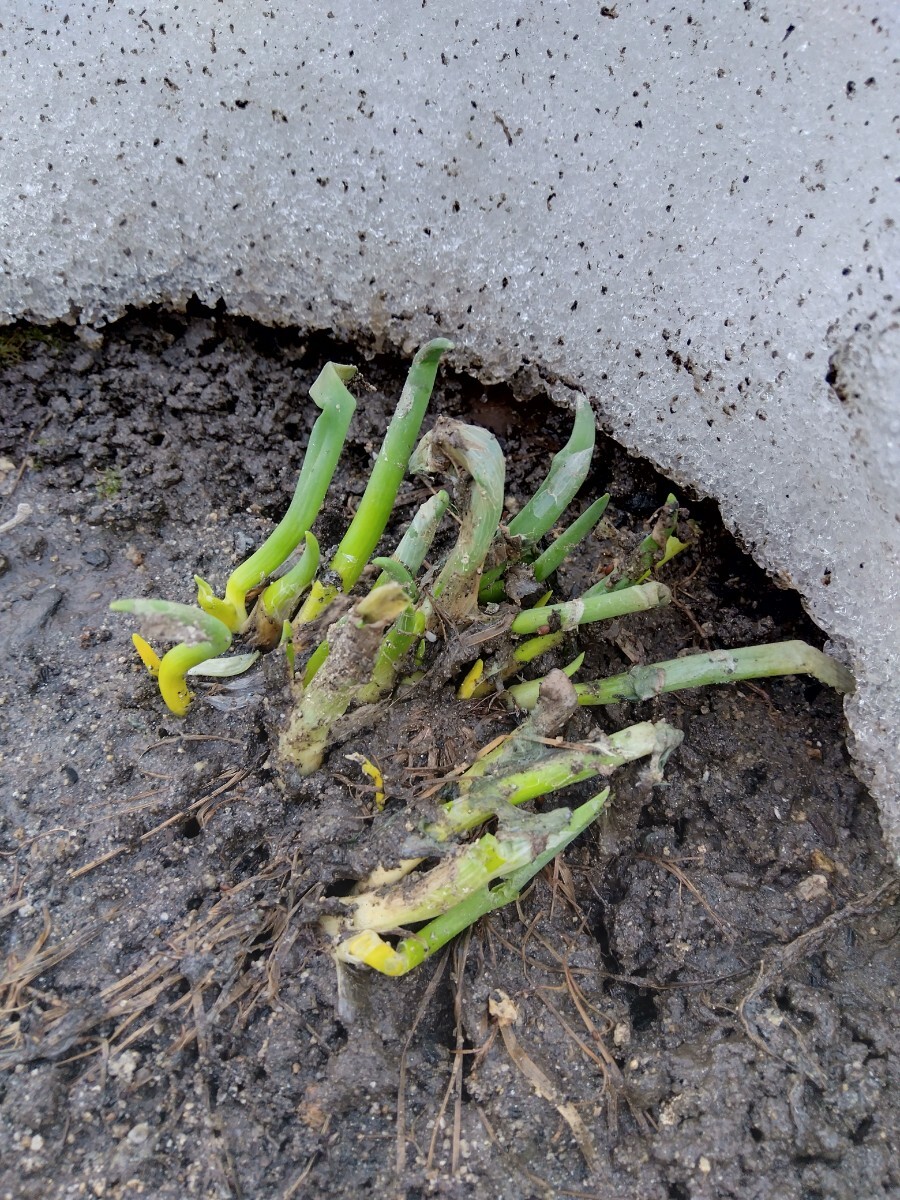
{"x":461,"y":768}
{"x":20,"y":973}
{"x":542,"y":1185}
{"x":6,"y":910}
{"x":638,"y":981}
{"x":505,"y":1014}
{"x":137,"y":1001}
{"x":198,"y":807}
{"x":460,"y":954}
{"x":298,"y":1183}
{"x":191,"y":737}
{"x":582,"y":1045}
{"x":284,"y":936}
{"x":564,"y":885}
{"x":613,"y":1076}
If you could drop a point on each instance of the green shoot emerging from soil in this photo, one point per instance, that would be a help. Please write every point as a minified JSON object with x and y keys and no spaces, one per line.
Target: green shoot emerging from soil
{"x":207,"y":637}
{"x":365,"y":629}
{"x":325,"y":443}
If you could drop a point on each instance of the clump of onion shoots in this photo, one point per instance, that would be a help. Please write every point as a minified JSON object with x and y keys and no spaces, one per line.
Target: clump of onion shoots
{"x":360,"y":629}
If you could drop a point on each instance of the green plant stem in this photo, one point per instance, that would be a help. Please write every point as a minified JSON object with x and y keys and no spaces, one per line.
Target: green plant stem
{"x":556,"y":554}
{"x":534,"y":647}
{"x":280,"y":598}
{"x":314,"y":662}
{"x":525,"y":745}
{"x":568,"y":471}
{"x":378,"y":499}
{"x":319,"y":463}
{"x":409,"y":626}
{"x":491,"y":589}
{"x":524,"y":653}
{"x":703,"y":670}
{"x":715,"y":667}
{"x":396,"y":644}
{"x":370,"y":949}
{"x":655,"y":548}
{"x":352,"y":644}
{"x":392,"y":569}
{"x":427,"y":895}
{"x":569,"y":615}
{"x":413,"y":547}
{"x":476,"y":452}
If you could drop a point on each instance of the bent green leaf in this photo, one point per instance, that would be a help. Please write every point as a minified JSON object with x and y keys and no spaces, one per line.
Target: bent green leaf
{"x":477,"y":454}
{"x":567,"y":473}
{"x":319,"y":462}
{"x":207,"y":638}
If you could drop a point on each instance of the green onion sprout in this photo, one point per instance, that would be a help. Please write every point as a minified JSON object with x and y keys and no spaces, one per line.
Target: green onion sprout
{"x":369,"y":949}
{"x":567,"y":473}
{"x":556,"y":554}
{"x":413,"y":547}
{"x":573,"y":613}
{"x":208,"y":637}
{"x":319,"y":462}
{"x":657,"y":548}
{"x":352,"y":645}
{"x":477,"y":454}
{"x":377,"y":502}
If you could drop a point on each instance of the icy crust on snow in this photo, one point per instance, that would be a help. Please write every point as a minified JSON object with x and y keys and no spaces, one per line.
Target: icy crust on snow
{"x":688,"y":214}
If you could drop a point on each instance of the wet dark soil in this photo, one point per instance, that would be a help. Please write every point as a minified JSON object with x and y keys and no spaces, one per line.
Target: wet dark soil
{"x":709,"y":975}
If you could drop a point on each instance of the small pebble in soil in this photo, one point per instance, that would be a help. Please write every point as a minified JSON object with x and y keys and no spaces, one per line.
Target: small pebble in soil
{"x":95,"y":556}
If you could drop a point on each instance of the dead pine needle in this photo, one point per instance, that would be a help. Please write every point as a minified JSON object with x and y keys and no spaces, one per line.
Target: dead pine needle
{"x":684,"y":880}
{"x":454,"y":1084}
{"x":294,"y":1188}
{"x":427,"y":997}
{"x":202,"y":809}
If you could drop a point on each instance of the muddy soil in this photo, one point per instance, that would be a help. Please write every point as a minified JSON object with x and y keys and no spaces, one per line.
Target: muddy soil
{"x":709,"y":976}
